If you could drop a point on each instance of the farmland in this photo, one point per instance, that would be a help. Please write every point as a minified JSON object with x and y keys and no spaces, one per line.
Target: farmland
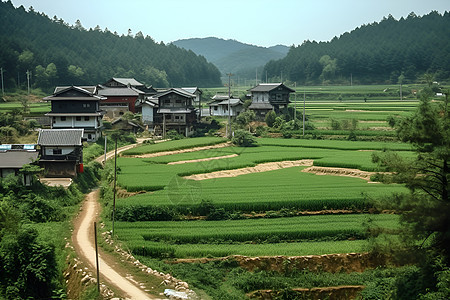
{"x":257,"y":214}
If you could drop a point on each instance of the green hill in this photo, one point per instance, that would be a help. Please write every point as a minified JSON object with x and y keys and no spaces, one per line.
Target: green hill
{"x":391,"y":51}
{"x":59,"y":54}
{"x":233,"y":56}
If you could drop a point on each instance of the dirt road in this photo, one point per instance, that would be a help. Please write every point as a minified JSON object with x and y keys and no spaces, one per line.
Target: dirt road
{"x":83,"y":239}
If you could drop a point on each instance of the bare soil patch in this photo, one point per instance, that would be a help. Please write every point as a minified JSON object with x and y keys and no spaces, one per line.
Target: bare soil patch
{"x":264,"y":167}
{"x":339,"y":172}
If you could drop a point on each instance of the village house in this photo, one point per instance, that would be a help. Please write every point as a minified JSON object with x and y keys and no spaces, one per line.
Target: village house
{"x":269,"y":96}
{"x":175,"y":111}
{"x":14,"y":157}
{"x":121,"y":94}
{"x":219,"y":106}
{"x":77,"y":108}
{"x":61,"y":152}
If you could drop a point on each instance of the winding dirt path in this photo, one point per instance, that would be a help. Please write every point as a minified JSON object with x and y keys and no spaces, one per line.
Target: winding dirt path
{"x":83,"y":239}
{"x":83,"y":242}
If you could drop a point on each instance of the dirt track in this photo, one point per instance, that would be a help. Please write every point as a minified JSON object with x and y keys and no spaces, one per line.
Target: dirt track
{"x":83,"y":240}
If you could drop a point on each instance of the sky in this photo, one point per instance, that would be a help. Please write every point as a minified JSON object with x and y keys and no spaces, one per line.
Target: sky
{"x":258,"y":22}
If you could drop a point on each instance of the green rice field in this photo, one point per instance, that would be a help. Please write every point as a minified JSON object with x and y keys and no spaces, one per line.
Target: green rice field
{"x":281,"y":236}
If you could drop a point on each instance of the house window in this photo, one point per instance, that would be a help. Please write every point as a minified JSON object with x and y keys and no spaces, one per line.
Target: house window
{"x":63,"y":118}
{"x":169,"y":117}
{"x":86,"y":118}
{"x":78,"y":118}
{"x":167,"y":101}
{"x":177,"y":117}
{"x":89,"y":136}
{"x":57,"y":151}
{"x":216,"y":107}
{"x":86,"y":105}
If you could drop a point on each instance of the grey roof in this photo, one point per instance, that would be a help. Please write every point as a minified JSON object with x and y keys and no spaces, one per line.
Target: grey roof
{"x":260,"y":105}
{"x":192,"y":90}
{"x":267,"y":87}
{"x":127,"y":81}
{"x":114,"y":91}
{"x":177,"y":91}
{"x":60,"y":137}
{"x":89,"y":94}
{"x":90,"y":88}
{"x":15,"y":159}
{"x":233,"y":102}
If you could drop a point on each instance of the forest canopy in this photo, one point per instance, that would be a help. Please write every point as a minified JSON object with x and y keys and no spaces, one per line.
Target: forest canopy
{"x":391,"y":51}
{"x":56,"y":53}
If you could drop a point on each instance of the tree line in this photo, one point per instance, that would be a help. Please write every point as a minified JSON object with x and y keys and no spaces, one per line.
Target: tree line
{"x":56,"y":53}
{"x":391,"y":51}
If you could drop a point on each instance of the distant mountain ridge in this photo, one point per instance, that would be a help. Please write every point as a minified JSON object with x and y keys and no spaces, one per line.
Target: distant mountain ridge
{"x":233,"y":56}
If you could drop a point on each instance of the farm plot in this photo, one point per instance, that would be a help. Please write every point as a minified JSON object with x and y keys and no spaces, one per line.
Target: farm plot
{"x":273,"y":190}
{"x":281,"y":236}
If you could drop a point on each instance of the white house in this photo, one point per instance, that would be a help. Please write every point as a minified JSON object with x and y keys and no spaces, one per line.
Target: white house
{"x":219,"y":106}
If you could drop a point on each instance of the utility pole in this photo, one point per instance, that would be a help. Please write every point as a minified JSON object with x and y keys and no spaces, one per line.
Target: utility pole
{"x":228,"y":130}
{"x":3,"y":87}
{"x":295,"y":101}
{"x":304,"y":110}
{"x":104,"y":162}
{"x":28,"y":81}
{"x":114,"y":194}
{"x":96,"y":256}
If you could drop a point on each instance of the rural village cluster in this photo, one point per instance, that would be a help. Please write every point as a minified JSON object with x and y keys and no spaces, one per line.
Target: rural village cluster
{"x":77,"y":114}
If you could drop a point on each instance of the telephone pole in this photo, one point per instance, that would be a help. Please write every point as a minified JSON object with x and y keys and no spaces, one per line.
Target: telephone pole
{"x":3,"y":86}
{"x":228,"y":130}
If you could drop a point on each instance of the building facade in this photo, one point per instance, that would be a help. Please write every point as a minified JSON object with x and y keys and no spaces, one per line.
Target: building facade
{"x":77,"y":108}
{"x":269,"y":96}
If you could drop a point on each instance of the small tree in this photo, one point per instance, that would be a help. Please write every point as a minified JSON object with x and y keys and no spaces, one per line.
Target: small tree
{"x":243,"y":138}
{"x":270,"y":118}
{"x":424,"y":211}
{"x":245,"y":118}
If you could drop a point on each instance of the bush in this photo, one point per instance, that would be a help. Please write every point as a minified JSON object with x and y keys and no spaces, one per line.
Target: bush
{"x":174,"y":135}
{"x":243,"y":138}
{"x":270,"y":118}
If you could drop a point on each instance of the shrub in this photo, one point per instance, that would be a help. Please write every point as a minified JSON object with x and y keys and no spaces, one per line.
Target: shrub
{"x":243,"y":138}
{"x":270,"y":118}
{"x":174,"y":135}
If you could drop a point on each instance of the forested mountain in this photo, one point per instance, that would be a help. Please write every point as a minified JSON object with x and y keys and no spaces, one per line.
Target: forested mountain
{"x":231,"y":56}
{"x":390,"y":51}
{"x":59,"y":54}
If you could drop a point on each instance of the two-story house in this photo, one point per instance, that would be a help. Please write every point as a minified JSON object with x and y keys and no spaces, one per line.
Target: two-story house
{"x":269,"y":96}
{"x":220,"y":104}
{"x":175,"y":111}
{"x":61,"y":152}
{"x":121,"y":94}
{"x":77,"y":108}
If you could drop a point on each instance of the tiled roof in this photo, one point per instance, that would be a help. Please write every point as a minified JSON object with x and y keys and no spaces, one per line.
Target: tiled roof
{"x":117,"y":91}
{"x":260,"y":106}
{"x":267,"y":87}
{"x":16,"y":159}
{"x":128,"y":81}
{"x":60,"y":137}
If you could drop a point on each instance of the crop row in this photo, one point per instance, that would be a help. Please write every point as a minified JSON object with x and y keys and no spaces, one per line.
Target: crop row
{"x":162,"y":250}
{"x":175,"y":145}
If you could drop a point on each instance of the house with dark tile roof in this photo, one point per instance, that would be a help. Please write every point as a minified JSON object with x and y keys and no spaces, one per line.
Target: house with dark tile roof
{"x":61,"y":152}
{"x":74,"y":107}
{"x":14,"y":157}
{"x":269,"y":96}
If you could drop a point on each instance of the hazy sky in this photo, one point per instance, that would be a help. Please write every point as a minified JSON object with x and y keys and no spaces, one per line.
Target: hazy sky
{"x":258,"y":22}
